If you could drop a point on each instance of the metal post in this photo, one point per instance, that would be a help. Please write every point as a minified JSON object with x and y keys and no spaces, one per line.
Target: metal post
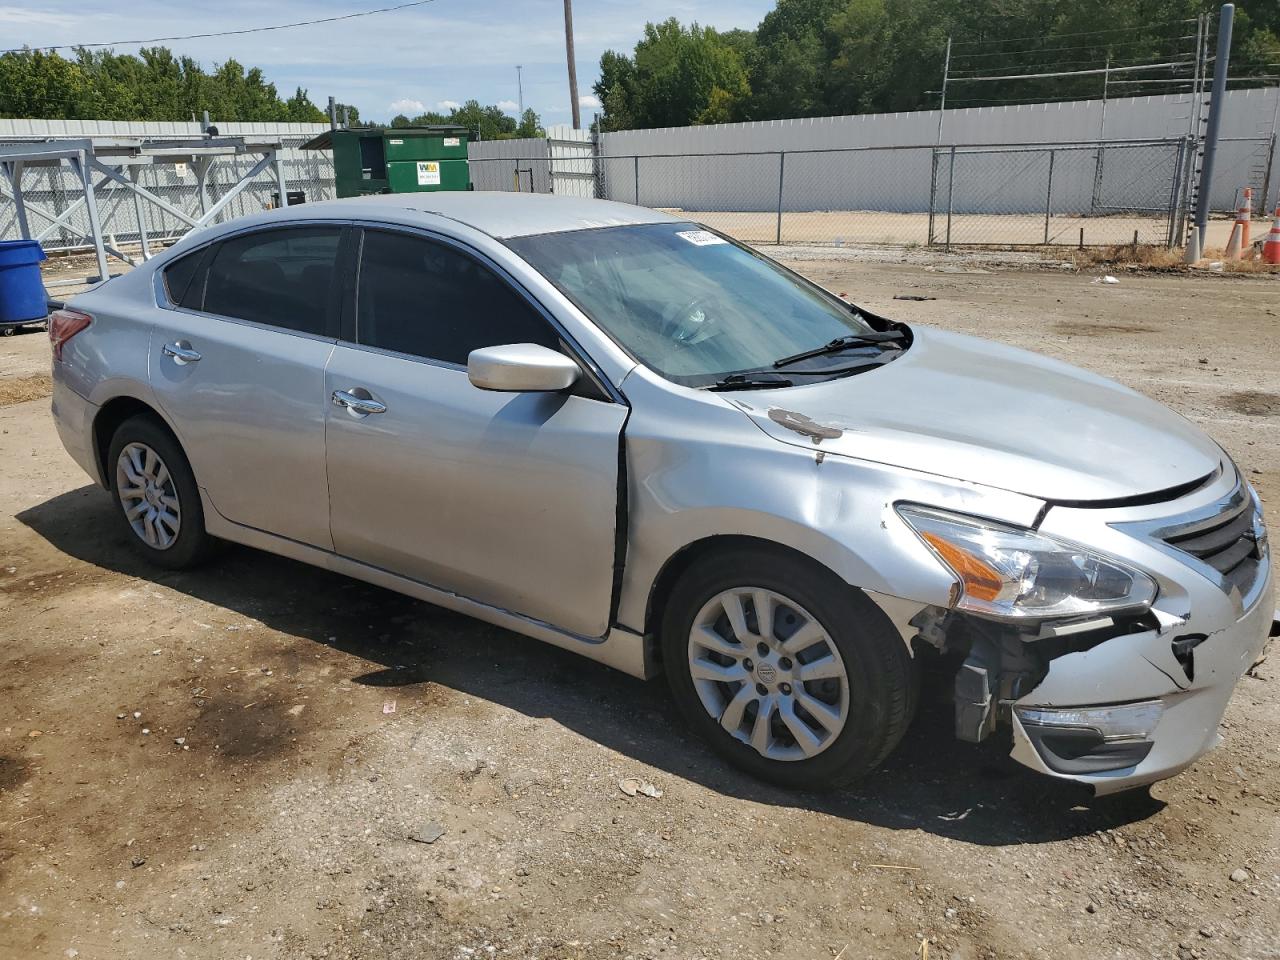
{"x":520,"y":90}
{"x":942,"y":103}
{"x":1193,"y":121}
{"x":573,"y":67}
{"x":1217,"y":101}
{"x":951,"y":195}
{"x":333,"y":114}
{"x":141,"y":215}
{"x":782,"y":161}
{"x":281,"y":186}
{"x":14,"y":171}
{"x":346,"y":116}
{"x":933,"y":192}
{"x":204,"y":123}
{"x":636,"y":162}
{"x":1048,"y":199}
{"x":81,"y":166}
{"x":1266,"y":177}
{"x":1271,"y":156}
{"x":202,"y":165}
{"x":1178,"y":171}
{"x":1102,"y":135}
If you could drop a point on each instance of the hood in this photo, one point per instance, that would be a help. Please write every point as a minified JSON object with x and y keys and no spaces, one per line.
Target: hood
{"x":982,"y":412}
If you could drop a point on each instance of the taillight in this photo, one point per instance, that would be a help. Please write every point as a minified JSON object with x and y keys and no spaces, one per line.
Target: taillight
{"x":63,"y":325}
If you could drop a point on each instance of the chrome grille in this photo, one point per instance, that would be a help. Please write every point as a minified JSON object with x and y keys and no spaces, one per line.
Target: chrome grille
{"x":1230,"y":542}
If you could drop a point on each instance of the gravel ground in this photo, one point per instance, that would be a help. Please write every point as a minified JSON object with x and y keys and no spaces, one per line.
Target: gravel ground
{"x":263,"y":760}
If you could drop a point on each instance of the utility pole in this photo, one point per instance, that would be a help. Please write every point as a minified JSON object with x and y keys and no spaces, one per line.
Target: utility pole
{"x":573,"y":68}
{"x":520,"y":90}
{"x":1217,"y":102}
{"x":942,"y":103}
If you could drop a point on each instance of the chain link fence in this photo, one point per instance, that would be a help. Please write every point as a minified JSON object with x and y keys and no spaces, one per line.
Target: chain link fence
{"x":1081,"y":194}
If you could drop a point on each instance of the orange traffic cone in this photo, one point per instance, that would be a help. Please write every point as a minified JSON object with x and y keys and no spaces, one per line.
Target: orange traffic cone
{"x":1233,"y":245}
{"x":1271,"y":249}
{"x":1242,"y":217}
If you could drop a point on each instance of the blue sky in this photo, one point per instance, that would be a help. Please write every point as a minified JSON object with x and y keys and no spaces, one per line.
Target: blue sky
{"x":422,"y":58}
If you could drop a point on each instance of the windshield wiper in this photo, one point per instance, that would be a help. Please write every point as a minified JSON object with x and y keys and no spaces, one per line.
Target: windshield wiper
{"x":755,"y":380}
{"x":841,"y":343}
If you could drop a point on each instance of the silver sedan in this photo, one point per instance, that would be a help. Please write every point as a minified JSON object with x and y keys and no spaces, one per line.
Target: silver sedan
{"x":626,"y":435}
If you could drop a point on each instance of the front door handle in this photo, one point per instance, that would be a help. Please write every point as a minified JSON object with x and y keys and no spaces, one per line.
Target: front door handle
{"x":362,"y":406}
{"x":181,"y":352}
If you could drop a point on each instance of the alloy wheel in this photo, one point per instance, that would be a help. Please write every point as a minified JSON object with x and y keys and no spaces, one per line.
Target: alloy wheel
{"x":768,"y":672}
{"x":148,"y":496}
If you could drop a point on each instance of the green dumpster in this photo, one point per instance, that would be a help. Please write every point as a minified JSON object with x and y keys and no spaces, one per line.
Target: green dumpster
{"x":396,"y":159}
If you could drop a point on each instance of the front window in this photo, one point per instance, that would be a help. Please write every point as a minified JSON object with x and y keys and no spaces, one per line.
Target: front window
{"x":702,"y":310}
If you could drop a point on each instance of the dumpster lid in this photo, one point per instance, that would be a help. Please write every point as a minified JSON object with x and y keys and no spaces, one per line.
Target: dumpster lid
{"x":324,"y":141}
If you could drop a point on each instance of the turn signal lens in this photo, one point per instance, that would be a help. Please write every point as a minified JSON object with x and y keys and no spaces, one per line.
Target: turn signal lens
{"x":1012,"y":573}
{"x":63,"y":325}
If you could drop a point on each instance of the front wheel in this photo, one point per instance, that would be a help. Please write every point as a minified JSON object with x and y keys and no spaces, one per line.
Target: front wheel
{"x":789,"y":673}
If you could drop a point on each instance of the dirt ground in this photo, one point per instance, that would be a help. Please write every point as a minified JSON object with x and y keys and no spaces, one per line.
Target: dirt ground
{"x":235,"y":762}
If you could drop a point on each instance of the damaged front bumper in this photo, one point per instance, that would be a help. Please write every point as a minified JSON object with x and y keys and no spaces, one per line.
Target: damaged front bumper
{"x":1120,"y":703}
{"x":1169,"y":706}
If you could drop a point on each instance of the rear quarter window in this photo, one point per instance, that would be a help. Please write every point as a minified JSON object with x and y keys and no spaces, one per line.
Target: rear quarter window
{"x":178,"y":278}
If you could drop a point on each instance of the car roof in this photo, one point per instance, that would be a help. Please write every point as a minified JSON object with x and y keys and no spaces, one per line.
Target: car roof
{"x":498,"y":213}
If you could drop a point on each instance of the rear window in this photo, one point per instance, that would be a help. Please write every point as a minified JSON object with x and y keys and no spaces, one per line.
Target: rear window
{"x":177,"y":280}
{"x":283,"y":277}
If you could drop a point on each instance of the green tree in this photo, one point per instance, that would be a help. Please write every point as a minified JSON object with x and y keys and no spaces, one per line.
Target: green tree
{"x":530,"y":125}
{"x":677,"y":76}
{"x":154,"y":85}
{"x":825,"y":57}
{"x":791,"y":60}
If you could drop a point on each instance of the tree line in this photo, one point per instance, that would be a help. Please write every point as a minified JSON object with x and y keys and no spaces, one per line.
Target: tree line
{"x":832,"y":57}
{"x":153,"y":85}
{"x":157,"y":85}
{"x":485,"y":123}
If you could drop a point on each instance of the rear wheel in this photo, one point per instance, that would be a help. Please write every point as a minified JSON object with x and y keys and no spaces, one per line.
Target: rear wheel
{"x":790,"y":673}
{"x":156,"y":495}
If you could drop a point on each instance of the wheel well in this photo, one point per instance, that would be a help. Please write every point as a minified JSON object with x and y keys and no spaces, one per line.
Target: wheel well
{"x":700,"y":551}
{"x":113,"y":413}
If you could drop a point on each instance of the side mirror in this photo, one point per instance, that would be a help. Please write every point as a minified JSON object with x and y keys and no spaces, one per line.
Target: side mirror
{"x":521,"y":368}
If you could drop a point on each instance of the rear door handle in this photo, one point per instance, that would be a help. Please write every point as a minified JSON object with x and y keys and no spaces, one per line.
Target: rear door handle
{"x":357,"y":404}
{"x":181,"y":351}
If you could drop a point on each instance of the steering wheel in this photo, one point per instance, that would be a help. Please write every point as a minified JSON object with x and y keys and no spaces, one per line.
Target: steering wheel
{"x":691,"y":322}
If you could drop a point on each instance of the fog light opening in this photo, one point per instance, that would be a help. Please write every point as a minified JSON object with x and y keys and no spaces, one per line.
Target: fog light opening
{"x":1080,"y":740}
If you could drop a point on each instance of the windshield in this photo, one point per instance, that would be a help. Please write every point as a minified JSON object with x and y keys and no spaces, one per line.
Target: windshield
{"x":693,"y":306}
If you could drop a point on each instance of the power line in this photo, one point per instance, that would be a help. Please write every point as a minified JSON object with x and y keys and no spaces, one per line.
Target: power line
{"x":1090,"y":48}
{"x":230,"y":33}
{"x":1062,"y":36}
{"x":1065,"y":73}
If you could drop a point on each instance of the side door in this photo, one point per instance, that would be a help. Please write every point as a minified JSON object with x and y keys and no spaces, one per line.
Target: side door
{"x":505,"y":498}
{"x":237,"y":363}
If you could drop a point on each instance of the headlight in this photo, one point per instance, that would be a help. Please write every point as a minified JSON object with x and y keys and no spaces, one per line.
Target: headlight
{"x":1012,"y":573}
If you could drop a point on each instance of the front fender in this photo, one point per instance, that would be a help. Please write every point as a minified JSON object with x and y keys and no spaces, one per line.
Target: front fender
{"x":715,"y":474}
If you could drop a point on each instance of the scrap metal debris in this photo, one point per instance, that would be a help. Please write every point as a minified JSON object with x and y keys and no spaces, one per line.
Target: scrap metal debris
{"x":631,"y":787}
{"x":428,"y":833}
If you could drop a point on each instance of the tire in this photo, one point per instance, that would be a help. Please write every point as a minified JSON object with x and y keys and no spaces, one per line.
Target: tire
{"x":876,"y":694}
{"x":173,"y":493}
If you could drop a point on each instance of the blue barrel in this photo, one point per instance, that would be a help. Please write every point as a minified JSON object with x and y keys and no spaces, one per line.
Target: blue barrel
{"x":22,"y":296}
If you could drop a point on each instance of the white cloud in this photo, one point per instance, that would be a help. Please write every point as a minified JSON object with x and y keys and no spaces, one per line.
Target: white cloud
{"x":587,"y":100}
{"x":406,"y":106}
{"x":510,"y":106}
{"x":447,"y":104}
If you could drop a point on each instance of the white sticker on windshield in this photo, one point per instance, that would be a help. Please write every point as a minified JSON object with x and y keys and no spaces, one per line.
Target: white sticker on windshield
{"x":700,"y":238}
